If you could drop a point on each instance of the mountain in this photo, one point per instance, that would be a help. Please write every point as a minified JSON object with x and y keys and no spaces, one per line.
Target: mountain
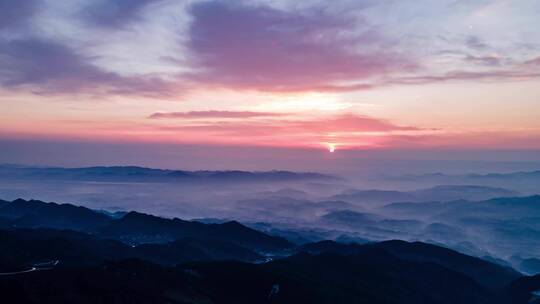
{"x":372,"y":275}
{"x":456,"y":192}
{"x":193,"y":249}
{"x":287,"y":209}
{"x":485,"y":273}
{"x":363,"y":222}
{"x":530,"y":265}
{"x":436,"y":193}
{"x":523,"y":290}
{"x":327,"y":246}
{"x":350,"y":218}
{"x":34,"y":214}
{"x":141,"y":174}
{"x":525,"y":182}
{"x":374,"y":196}
{"x":523,"y":175}
{"x":140,"y":258}
{"x":132,"y":227}
{"x":136,"y":227}
{"x":504,"y":207}
{"x":501,"y":227}
{"x":24,"y":247}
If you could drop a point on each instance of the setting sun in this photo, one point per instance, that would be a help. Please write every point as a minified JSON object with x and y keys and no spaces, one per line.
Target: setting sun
{"x":331,"y":148}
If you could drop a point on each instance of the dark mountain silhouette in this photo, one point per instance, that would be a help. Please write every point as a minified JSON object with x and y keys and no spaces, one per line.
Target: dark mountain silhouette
{"x":192,"y":249}
{"x":34,"y":213}
{"x":133,"y":227}
{"x":530,"y":265}
{"x":22,"y":248}
{"x":523,"y":290}
{"x":140,"y":258}
{"x":483,"y":272}
{"x":136,"y":227}
{"x":331,"y":247}
{"x":372,"y":275}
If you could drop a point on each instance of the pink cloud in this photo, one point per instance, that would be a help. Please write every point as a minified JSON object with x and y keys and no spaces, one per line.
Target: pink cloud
{"x":214,"y":114}
{"x":346,"y":130}
{"x":350,"y":123}
{"x":533,"y":62}
{"x":261,"y":48}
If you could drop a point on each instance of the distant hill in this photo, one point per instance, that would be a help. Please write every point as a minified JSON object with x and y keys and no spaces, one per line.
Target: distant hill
{"x":524,"y":175}
{"x":485,"y":210}
{"x":142,"y":174}
{"x":437,"y":193}
{"x":500,"y":227}
{"x":526,"y":182}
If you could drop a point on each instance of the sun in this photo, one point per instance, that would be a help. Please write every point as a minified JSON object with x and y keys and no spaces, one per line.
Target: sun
{"x":331,"y":148}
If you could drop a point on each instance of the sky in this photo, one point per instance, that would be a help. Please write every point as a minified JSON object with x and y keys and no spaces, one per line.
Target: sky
{"x":214,"y":78}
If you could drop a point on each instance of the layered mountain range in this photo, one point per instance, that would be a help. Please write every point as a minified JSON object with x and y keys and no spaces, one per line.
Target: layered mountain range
{"x":61,"y":253}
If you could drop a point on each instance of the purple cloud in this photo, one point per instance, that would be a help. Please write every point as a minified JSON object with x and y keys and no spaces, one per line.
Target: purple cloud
{"x":258,"y":47}
{"x":483,"y":60}
{"x":16,"y":12}
{"x":214,"y":114}
{"x":476,"y":43}
{"x":51,"y":67}
{"x":114,"y":13}
{"x":533,"y":62}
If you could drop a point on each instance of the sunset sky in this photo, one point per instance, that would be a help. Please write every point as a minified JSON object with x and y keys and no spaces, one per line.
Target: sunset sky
{"x":356,"y":75}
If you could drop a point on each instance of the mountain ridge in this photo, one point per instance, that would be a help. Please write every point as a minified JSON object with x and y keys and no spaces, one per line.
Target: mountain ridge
{"x":136,"y":173}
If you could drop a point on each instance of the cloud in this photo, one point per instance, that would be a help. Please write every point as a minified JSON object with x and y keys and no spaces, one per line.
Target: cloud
{"x":49,"y":67}
{"x":347,"y":130}
{"x":334,"y":124}
{"x":349,"y":123}
{"x":238,"y":45}
{"x":262,"y":48}
{"x":484,"y":60}
{"x":476,"y":43}
{"x":214,"y":114}
{"x":114,"y":13}
{"x":16,"y":12}
{"x":533,"y":62}
{"x":493,"y":75}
